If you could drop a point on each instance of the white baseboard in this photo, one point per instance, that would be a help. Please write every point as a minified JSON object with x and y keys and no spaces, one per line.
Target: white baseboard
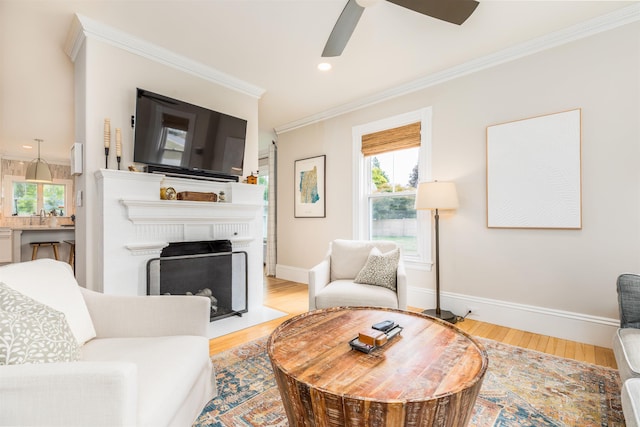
{"x":294,"y":274}
{"x":540,"y":320}
{"x":567,"y":325}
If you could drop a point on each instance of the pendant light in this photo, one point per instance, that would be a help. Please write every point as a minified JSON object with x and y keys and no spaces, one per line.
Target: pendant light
{"x":38,"y":170}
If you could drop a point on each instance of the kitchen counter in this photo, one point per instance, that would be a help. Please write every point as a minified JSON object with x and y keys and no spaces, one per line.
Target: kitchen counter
{"x":23,"y":235}
{"x":43,"y":227}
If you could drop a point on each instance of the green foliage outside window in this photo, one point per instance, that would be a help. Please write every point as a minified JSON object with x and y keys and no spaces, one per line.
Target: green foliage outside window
{"x":394,"y":180}
{"x":396,"y":206}
{"x":264,"y":180}
{"x":53,"y":197}
{"x":25,"y":198}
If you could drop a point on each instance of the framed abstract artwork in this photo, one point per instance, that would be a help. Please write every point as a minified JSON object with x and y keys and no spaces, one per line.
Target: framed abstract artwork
{"x":534,"y":172}
{"x":309,"y":190}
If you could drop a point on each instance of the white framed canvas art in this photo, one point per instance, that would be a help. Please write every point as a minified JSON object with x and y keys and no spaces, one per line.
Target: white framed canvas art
{"x":534,"y":172}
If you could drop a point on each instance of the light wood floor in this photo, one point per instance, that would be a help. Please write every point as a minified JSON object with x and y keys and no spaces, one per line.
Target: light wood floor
{"x":292,"y":298}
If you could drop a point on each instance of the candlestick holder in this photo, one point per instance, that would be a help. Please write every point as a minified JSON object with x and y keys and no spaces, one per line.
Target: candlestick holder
{"x":118,"y":159}
{"x":106,"y":157}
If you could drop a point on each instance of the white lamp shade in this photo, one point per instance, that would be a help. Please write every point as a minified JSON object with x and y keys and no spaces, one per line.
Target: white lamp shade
{"x":38,"y":171}
{"x":436,"y":195}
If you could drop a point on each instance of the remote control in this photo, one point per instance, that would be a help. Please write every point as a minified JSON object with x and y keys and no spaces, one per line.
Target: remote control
{"x":385,"y":325}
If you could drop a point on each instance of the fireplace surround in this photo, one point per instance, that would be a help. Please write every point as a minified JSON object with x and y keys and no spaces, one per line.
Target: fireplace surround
{"x":137,"y":226}
{"x":206,"y":268}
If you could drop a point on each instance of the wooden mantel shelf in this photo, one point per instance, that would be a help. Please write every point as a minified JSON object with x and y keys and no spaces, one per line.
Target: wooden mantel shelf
{"x":183,"y":212}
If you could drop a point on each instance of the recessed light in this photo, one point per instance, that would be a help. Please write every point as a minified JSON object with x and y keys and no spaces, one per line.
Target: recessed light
{"x":324,"y":66}
{"x":27,"y":147}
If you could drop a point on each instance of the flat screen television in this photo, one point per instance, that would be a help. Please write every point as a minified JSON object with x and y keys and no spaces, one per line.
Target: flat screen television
{"x":173,"y":136}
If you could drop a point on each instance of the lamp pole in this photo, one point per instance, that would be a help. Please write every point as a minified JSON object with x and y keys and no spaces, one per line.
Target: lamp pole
{"x":437,"y":221}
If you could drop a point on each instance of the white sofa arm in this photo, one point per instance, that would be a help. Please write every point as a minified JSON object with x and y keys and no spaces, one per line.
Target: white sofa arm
{"x":69,"y":394}
{"x":401,"y":286}
{"x":147,"y":316}
{"x":319,"y":277}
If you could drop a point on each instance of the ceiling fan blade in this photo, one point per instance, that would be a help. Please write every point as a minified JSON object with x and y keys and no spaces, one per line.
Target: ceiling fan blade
{"x":454,"y":11}
{"x":343,"y":29}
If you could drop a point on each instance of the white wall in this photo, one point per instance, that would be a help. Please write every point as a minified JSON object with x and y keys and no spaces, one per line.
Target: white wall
{"x":572,"y":272}
{"x":106,"y":78}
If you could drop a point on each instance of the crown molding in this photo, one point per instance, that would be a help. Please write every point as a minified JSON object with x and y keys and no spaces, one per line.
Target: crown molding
{"x":83,"y":28}
{"x":588,"y":28}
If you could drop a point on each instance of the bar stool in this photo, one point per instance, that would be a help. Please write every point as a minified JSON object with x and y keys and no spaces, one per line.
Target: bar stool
{"x":36,"y":245}
{"x":72,"y":253}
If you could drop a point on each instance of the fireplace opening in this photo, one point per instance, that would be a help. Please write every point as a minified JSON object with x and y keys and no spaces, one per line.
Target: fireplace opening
{"x":209,"y":269}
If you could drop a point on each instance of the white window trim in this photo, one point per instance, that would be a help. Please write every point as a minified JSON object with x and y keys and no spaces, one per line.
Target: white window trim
{"x":360,"y":170}
{"x":8,"y":180}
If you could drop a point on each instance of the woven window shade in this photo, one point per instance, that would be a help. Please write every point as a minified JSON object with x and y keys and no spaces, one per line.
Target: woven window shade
{"x":399,"y":138}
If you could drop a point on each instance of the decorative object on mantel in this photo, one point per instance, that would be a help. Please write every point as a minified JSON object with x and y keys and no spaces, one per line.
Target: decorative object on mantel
{"x":107,"y":141}
{"x":118,"y":146}
{"x":133,"y":168}
{"x":196,"y":196}
{"x":38,"y":170}
{"x":252,"y":179}
{"x":221,"y":197}
{"x":167,"y":193}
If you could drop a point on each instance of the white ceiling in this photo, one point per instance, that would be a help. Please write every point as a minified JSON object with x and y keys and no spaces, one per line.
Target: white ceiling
{"x":272,"y":44}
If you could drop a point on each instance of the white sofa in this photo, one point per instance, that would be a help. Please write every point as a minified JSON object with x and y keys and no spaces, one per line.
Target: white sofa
{"x":142,"y":360}
{"x":332,"y":284}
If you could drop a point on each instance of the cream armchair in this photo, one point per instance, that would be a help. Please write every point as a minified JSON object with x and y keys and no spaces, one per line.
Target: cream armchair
{"x":332,"y":281}
{"x":142,"y":361}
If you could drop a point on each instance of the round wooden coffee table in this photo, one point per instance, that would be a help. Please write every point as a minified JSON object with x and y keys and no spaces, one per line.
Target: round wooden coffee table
{"x":428,"y":375}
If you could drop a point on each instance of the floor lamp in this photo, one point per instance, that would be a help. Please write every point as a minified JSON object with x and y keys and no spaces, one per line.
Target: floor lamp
{"x":433,"y":196}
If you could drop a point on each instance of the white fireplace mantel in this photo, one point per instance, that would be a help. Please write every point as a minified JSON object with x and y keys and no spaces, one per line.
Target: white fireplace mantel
{"x":137,"y":225}
{"x":181,"y":211}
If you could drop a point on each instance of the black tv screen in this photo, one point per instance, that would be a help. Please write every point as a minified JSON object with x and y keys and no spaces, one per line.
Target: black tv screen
{"x":177,"y":135}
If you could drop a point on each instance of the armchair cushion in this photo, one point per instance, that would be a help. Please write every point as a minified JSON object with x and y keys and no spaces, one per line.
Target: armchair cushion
{"x":380,"y":269}
{"x":31,"y":332}
{"x":626,"y":349}
{"x":59,"y":291}
{"x":347,"y":293}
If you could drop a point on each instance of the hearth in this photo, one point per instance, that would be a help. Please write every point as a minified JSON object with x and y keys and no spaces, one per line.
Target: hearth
{"x":206,"y":268}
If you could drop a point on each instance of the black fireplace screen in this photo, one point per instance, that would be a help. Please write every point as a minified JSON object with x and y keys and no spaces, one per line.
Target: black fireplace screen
{"x":208,"y":269}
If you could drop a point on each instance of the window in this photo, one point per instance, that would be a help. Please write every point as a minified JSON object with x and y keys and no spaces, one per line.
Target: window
{"x":393,"y":179}
{"x":264,"y":180}
{"x":23,"y":198}
{"x":391,"y":157}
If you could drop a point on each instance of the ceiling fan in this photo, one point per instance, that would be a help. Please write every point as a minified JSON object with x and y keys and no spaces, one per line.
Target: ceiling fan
{"x":454,"y":11}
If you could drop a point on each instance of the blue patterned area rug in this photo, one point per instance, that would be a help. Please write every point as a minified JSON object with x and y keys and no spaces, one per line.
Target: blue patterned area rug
{"x":521,"y":388}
